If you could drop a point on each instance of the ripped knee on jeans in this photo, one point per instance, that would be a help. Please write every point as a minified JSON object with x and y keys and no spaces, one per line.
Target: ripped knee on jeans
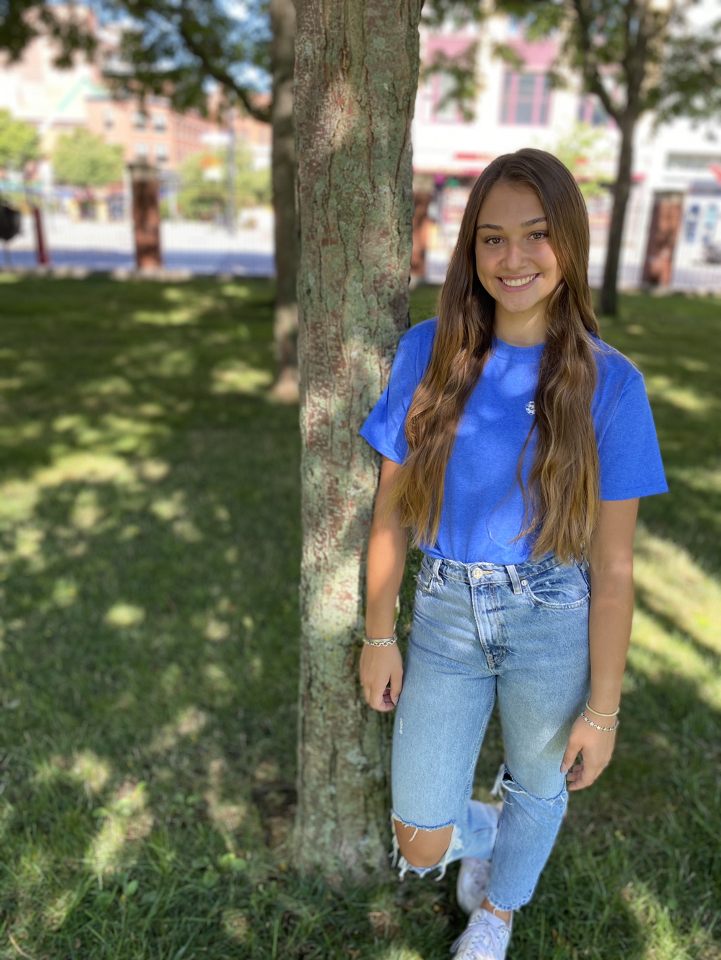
{"x":507,"y":783}
{"x":423,"y":848}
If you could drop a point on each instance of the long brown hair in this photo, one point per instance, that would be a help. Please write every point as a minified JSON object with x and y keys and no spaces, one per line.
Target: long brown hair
{"x":562,"y":496}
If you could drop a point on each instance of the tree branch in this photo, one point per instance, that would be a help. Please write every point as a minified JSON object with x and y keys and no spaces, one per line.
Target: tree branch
{"x":218,"y":72}
{"x":589,"y":63}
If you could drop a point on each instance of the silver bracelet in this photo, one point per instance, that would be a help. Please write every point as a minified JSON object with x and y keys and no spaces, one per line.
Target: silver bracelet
{"x":381,"y":642}
{"x":597,"y":726}
{"x":599,"y":714}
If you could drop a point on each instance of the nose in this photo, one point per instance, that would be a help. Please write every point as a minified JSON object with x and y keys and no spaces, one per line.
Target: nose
{"x":514,"y":257}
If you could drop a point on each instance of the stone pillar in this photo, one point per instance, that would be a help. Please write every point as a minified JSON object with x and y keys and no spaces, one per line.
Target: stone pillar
{"x":145,"y":188}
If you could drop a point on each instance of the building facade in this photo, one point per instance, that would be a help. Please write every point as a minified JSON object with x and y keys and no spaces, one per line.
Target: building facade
{"x":58,"y":101}
{"x":672,"y":234}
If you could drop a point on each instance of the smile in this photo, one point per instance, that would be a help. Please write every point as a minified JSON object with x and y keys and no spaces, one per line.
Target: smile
{"x":519,"y":283}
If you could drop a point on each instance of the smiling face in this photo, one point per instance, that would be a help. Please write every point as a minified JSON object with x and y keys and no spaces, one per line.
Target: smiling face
{"x":515,"y":262}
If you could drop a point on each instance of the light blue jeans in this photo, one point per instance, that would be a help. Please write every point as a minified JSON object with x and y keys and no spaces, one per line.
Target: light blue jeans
{"x":481,"y":631}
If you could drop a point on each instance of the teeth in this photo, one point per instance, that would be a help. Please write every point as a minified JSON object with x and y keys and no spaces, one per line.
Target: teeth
{"x":518,"y":283}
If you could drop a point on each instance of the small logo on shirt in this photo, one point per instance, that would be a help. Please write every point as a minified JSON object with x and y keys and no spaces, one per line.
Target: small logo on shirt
{"x":530,"y":407}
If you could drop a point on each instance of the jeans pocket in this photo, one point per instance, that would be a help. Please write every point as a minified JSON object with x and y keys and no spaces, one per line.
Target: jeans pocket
{"x":428,"y":582}
{"x":559,"y":588}
{"x":583,"y":567}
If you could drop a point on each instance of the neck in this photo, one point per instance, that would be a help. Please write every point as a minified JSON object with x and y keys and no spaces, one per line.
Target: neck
{"x":520,"y":330}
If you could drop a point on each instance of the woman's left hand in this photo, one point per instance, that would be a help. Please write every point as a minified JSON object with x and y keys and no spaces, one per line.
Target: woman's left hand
{"x":596,"y":749}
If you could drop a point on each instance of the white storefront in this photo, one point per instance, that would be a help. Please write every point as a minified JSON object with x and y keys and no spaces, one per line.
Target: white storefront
{"x":513,"y":109}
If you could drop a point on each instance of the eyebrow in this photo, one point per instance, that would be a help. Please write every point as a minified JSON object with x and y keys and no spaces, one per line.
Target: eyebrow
{"x":495,"y":226}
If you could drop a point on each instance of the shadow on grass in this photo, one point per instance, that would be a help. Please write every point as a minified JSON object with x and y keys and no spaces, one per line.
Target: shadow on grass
{"x":150,"y":614}
{"x":151,"y":550}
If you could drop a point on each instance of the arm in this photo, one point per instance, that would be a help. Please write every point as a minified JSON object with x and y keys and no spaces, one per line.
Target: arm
{"x":611,"y":613}
{"x":387,"y":548}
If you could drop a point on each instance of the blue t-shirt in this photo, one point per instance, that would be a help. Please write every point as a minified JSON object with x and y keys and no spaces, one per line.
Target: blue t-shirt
{"x":482,"y":508}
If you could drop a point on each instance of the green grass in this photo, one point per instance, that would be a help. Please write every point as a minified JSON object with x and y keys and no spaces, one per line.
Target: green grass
{"x":150,"y":541}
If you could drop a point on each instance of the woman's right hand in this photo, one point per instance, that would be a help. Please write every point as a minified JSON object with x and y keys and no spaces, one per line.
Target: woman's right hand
{"x":381,"y":668}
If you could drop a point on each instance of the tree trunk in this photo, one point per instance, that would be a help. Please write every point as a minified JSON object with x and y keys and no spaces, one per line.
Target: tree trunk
{"x":356,"y":79}
{"x":285,"y":322}
{"x":622,"y":188}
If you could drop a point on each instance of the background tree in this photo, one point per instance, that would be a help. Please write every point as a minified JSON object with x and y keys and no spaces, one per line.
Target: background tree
{"x":355,"y":88}
{"x":83,"y":159}
{"x":637,"y":57}
{"x":19,"y":143}
{"x":204,"y":182}
{"x":174,"y":48}
{"x":585,"y":151}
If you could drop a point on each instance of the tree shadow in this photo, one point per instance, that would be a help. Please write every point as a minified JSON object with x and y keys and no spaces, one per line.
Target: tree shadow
{"x":151,"y":551}
{"x":150,"y":585}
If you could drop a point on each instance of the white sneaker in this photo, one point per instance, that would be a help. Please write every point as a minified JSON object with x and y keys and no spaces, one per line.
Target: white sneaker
{"x":474,"y":873}
{"x":485,"y":938}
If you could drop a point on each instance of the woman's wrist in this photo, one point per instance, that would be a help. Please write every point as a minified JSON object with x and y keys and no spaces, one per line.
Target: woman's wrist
{"x":379,"y":632}
{"x":382,"y":626}
{"x":605,"y":727}
{"x":380,"y":641}
{"x":605,"y":713}
{"x":604,"y":698}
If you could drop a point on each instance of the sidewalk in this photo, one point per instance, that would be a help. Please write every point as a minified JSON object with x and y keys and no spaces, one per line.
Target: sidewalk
{"x":186,"y":246}
{"x":194,"y":248}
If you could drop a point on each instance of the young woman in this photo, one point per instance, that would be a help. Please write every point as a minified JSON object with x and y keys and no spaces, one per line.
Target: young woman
{"x":515,"y":445}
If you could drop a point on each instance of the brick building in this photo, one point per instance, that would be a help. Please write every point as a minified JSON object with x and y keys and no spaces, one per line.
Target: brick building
{"x":58,"y":101}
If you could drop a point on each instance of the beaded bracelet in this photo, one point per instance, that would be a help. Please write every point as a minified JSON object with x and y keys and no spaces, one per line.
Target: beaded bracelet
{"x":382,"y":642}
{"x":597,"y":726}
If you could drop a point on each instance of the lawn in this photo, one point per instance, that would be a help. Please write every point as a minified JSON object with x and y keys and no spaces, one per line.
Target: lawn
{"x":150,"y":542}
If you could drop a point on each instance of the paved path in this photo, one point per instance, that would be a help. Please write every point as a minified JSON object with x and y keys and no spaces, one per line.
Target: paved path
{"x":206,"y":249}
{"x":195,"y":262}
{"x":197,"y":248}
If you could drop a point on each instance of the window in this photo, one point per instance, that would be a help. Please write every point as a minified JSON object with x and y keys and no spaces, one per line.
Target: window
{"x":141,"y":151}
{"x":709,"y":227}
{"x":526,"y":98}
{"x":161,"y":153}
{"x":691,"y":224}
{"x":139,"y":120}
{"x":159,"y":123}
{"x":108,"y":120}
{"x":591,"y":110}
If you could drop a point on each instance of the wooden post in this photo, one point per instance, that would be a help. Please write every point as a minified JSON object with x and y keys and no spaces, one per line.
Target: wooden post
{"x":145,"y":184}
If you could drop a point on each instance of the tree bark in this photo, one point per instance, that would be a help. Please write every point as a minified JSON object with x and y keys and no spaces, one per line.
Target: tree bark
{"x":285,"y":320}
{"x":622,"y":187}
{"x":355,"y":87}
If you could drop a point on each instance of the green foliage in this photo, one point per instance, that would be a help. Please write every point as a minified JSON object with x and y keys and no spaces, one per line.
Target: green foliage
{"x":585,"y":152}
{"x":83,"y":159}
{"x":635,"y":56}
{"x":204,"y":184}
{"x":166,"y":45}
{"x":454,"y":13}
{"x":19,"y":142}
{"x":169,"y":44}
{"x":24,"y":20}
{"x":461,"y":72}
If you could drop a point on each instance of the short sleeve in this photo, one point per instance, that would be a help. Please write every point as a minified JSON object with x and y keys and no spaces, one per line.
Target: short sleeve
{"x":383,"y":428}
{"x":629,"y":455}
